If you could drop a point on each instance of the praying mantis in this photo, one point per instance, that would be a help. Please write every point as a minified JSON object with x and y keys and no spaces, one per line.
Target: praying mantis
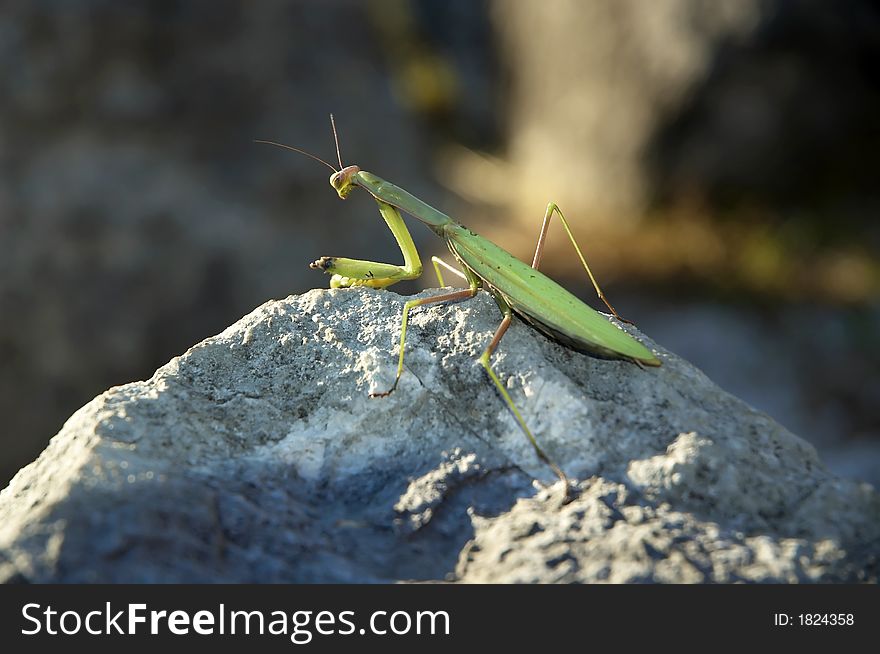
{"x":518,"y":288}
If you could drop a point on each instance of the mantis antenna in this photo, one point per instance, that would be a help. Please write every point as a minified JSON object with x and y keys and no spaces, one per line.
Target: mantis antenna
{"x":308,"y":154}
{"x":336,"y":139}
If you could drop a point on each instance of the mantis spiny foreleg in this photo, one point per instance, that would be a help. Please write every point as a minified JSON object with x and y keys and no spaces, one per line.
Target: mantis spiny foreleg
{"x":359,"y":272}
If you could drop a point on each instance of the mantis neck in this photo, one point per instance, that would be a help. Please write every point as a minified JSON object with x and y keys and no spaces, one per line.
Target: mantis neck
{"x":395,"y":196}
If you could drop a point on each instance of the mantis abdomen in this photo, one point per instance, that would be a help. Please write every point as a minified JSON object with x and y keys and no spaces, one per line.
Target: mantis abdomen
{"x":542,"y":302}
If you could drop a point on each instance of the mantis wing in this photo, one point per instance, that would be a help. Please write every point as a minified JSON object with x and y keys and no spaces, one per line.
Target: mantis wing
{"x":542,"y":302}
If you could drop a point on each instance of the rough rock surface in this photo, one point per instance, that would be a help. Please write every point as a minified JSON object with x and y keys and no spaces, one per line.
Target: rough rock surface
{"x":137,"y":215}
{"x":258,"y":456}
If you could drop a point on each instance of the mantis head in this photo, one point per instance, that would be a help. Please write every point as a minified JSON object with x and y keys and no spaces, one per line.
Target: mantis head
{"x":342,"y":181}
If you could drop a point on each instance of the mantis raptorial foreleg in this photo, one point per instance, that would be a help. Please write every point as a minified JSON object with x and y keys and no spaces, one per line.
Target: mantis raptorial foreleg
{"x":539,"y":252}
{"x":437,"y":261}
{"x":359,"y":272}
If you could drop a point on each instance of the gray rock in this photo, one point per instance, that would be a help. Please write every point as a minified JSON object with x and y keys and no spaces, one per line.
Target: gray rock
{"x":258,"y":456}
{"x":133,"y":196}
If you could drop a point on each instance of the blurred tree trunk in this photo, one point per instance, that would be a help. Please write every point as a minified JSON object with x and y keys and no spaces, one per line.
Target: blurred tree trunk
{"x":747,"y":130}
{"x":591,"y":83}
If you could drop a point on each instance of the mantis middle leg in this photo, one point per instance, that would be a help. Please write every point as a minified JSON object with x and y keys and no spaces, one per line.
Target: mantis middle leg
{"x":445,"y":297}
{"x":437,"y":261}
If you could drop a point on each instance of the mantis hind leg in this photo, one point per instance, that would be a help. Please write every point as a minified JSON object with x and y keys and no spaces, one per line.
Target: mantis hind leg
{"x":539,"y":252}
{"x":485,"y":362}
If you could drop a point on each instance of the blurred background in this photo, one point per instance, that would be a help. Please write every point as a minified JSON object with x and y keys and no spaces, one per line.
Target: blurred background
{"x":718,"y":160}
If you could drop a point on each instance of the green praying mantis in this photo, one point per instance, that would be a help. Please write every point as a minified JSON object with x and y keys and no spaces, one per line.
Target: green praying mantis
{"x":518,"y":288}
